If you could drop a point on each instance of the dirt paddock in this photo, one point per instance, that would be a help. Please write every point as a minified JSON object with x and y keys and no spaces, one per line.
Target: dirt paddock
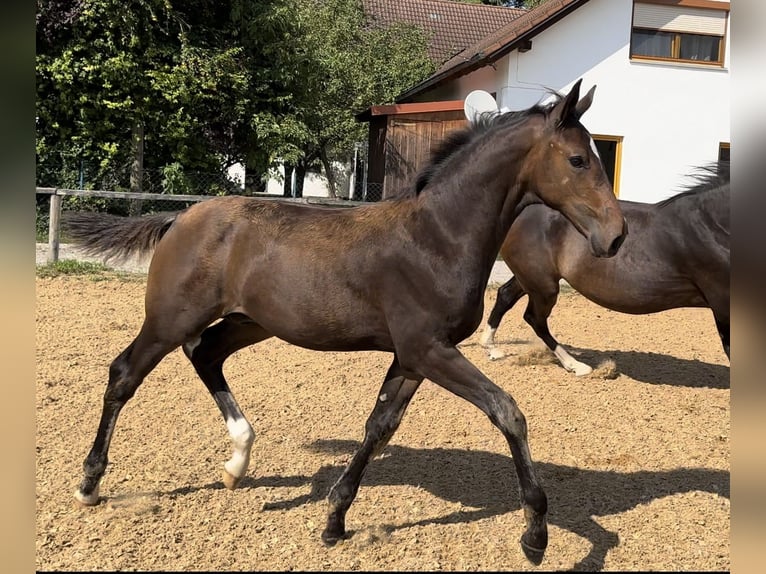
{"x":634,"y":457}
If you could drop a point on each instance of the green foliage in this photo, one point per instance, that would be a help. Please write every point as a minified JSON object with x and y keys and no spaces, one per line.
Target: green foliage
{"x":173,"y":179}
{"x":42,"y":222}
{"x":211,"y":83}
{"x":347,"y":66}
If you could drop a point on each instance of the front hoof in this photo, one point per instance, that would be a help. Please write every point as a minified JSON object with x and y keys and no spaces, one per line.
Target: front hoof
{"x":229,"y":480}
{"x":534,"y":550}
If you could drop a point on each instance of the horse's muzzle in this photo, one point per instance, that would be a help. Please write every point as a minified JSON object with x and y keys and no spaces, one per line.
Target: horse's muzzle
{"x":598,"y":249}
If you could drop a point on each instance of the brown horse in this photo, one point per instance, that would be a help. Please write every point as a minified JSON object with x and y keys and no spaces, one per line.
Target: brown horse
{"x":406,"y":276}
{"x":677,"y":255}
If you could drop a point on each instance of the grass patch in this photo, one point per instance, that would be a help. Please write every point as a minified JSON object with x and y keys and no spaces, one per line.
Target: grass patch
{"x":94,"y":271}
{"x":70,"y":267}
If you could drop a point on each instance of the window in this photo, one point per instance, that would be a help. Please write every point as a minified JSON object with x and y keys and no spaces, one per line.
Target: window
{"x":679,"y":30}
{"x":724,"y":151}
{"x":610,"y":150}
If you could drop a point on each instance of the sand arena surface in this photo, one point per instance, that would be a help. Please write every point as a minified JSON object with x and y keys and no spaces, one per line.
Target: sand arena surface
{"x":634,"y":457}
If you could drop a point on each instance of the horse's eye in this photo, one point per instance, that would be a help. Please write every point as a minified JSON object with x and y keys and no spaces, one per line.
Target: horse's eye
{"x":577,"y":161}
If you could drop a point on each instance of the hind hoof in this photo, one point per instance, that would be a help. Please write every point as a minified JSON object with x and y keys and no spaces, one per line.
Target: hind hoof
{"x":91,"y":499}
{"x":230,"y":481}
{"x":534,"y":550}
{"x":495,"y":354}
{"x":332,"y":539}
{"x":534,"y":555}
{"x":582,"y":370}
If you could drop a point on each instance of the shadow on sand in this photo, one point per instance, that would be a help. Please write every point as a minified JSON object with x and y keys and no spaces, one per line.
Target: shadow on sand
{"x":574,"y":495}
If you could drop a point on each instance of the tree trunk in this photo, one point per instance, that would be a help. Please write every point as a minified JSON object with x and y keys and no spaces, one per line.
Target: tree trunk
{"x":287,"y":188}
{"x":300,"y":176}
{"x":256,"y":168}
{"x":329,"y":173}
{"x":137,"y":167}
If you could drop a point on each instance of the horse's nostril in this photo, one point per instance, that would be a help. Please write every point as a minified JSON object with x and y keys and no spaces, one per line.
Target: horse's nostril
{"x":617,"y":243}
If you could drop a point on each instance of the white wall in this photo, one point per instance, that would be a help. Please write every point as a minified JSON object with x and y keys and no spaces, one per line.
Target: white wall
{"x":672,"y":117}
{"x":314,"y":185}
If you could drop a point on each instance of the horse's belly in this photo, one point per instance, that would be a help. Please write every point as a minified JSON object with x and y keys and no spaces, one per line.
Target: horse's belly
{"x":642,"y":298}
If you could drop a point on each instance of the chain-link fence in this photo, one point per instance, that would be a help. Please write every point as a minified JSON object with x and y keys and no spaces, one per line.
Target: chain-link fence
{"x":173,"y":179}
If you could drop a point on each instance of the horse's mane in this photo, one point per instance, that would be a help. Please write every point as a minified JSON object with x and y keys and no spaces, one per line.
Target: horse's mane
{"x":705,"y":178}
{"x":461,"y":138}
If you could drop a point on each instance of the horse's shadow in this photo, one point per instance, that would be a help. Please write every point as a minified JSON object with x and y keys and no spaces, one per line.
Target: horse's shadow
{"x":660,"y":369}
{"x":492,"y":491}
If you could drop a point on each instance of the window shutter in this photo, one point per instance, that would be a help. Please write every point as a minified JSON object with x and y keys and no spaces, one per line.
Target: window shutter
{"x":678,"y":19}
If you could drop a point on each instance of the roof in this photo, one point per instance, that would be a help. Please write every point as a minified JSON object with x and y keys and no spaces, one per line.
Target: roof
{"x":497,"y":44}
{"x":412,"y":108}
{"x":452,"y":26}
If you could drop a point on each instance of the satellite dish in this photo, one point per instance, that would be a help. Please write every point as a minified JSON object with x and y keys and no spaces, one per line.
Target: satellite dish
{"x":477,"y":103}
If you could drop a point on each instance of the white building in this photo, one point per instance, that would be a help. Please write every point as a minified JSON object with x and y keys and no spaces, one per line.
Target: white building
{"x":661,"y":68}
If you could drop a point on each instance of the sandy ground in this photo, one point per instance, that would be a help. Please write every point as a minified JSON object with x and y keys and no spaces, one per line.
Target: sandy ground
{"x":634,"y":457}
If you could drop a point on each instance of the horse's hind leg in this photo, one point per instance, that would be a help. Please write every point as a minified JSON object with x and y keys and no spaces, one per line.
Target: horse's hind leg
{"x":723,"y":332}
{"x":392,"y":401}
{"x":538,"y":310}
{"x":126,"y":374}
{"x":507,"y":296}
{"x":207,"y":354}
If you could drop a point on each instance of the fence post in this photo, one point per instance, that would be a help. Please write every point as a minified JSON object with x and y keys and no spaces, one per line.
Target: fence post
{"x":54,"y":228}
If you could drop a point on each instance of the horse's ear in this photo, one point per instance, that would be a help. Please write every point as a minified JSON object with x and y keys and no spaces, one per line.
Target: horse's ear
{"x":566,"y":107}
{"x":583,"y":105}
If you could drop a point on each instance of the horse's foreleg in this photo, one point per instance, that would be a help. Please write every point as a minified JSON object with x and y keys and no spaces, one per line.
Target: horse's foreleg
{"x":392,"y":401}
{"x":207,"y":354}
{"x":126,"y":374}
{"x":538,"y":310}
{"x":507,"y":296}
{"x":449,"y":369}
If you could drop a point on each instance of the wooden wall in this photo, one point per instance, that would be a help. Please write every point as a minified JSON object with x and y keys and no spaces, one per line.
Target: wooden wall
{"x":401,"y":144}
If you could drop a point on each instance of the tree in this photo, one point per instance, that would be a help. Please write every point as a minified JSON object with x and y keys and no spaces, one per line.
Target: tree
{"x":189,"y":80}
{"x":202,"y":84}
{"x":347,"y":66}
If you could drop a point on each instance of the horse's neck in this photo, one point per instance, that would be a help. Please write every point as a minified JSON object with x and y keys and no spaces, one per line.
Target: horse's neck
{"x":477,"y":199}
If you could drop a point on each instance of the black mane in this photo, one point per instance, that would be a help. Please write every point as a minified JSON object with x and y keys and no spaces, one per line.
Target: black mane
{"x":705,"y":178}
{"x":459,"y":139}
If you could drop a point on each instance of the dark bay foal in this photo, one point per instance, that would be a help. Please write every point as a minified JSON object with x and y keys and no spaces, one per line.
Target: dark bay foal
{"x":406,"y":276}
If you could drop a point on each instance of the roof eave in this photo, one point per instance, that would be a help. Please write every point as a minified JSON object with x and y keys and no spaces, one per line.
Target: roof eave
{"x":488,"y":57}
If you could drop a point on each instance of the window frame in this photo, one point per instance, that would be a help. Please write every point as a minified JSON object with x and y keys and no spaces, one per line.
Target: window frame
{"x":676,"y":34}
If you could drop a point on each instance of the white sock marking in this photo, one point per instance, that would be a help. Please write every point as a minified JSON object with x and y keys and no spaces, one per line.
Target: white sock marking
{"x":570,"y":363}
{"x":242,"y":436}
{"x":488,"y":337}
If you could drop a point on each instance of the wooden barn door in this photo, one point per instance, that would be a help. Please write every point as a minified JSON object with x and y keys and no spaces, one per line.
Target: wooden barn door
{"x":410,"y":141}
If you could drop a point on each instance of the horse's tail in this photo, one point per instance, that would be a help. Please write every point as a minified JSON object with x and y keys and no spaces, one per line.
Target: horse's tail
{"x":115,"y":237}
